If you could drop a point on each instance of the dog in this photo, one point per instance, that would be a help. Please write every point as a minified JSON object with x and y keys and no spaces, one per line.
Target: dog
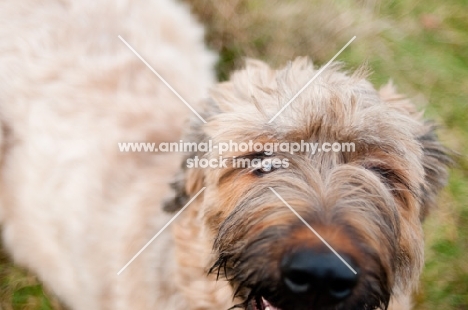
{"x":74,"y":209}
{"x":367,"y":204}
{"x":329,"y":230}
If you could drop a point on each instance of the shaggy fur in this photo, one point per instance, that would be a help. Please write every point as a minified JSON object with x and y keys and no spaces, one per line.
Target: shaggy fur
{"x":74,"y":209}
{"x":367,"y":204}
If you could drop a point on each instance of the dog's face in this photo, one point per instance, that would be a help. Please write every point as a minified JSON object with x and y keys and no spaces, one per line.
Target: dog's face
{"x":366,"y":204}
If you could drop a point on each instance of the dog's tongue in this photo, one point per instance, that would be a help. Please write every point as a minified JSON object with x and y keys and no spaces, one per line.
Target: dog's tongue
{"x":267,"y":305}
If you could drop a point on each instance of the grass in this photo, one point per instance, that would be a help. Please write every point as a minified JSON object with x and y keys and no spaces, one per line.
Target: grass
{"x":421,"y":45}
{"x":22,"y":290}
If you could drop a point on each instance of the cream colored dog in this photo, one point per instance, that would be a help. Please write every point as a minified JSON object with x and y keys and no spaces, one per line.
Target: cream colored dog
{"x":73,"y":208}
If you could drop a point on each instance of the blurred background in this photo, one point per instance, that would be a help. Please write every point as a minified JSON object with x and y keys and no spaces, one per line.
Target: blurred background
{"x":421,"y":45}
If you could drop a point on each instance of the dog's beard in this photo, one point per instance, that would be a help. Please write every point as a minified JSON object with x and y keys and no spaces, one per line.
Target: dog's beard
{"x":259,"y":289}
{"x":252,"y":241}
{"x":259,"y":296}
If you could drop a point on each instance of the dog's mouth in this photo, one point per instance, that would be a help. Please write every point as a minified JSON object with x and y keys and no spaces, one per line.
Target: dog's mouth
{"x":262,"y":304}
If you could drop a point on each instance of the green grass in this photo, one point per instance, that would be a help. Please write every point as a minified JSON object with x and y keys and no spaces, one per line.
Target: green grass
{"x":20,"y":290}
{"x":421,"y":45}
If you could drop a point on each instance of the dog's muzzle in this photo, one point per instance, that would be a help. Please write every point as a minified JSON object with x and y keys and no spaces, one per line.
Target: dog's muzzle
{"x":314,"y":279}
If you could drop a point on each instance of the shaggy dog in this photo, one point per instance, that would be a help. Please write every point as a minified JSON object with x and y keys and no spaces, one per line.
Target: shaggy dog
{"x":367,"y":204}
{"x":75,"y":209}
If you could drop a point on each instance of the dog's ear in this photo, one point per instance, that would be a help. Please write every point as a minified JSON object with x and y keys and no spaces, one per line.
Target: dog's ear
{"x":190,"y":180}
{"x":436,"y":160}
{"x":389,"y":95}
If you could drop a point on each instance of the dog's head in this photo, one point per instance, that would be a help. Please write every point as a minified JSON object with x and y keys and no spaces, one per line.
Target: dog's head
{"x":338,"y":227}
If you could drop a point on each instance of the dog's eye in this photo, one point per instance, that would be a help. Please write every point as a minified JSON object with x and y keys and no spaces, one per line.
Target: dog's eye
{"x":264,"y":168}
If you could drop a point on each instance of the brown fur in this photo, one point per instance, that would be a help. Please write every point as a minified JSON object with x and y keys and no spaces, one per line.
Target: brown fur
{"x":367,"y":204}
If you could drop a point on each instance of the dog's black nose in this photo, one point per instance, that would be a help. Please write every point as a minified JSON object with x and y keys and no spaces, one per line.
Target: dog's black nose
{"x":323,"y":275}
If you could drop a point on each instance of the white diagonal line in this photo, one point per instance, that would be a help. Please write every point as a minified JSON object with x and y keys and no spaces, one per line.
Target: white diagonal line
{"x":313,"y":230}
{"x":161,"y":230}
{"x":162,"y":79}
{"x":311,"y":80}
